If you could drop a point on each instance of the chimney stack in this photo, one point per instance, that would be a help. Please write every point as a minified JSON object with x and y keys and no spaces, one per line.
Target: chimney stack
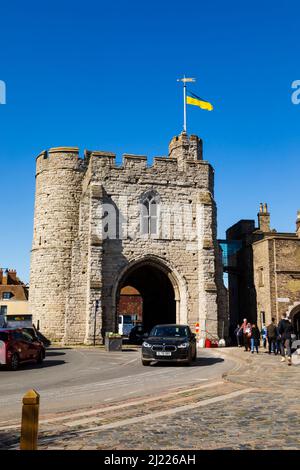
{"x":4,"y":278}
{"x":12,"y":276}
{"x":264,"y":218}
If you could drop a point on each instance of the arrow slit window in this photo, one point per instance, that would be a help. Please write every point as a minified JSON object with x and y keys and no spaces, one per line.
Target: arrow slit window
{"x":261,"y":280}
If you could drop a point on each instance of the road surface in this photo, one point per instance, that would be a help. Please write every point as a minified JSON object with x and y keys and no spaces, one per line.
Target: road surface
{"x":72,"y":379}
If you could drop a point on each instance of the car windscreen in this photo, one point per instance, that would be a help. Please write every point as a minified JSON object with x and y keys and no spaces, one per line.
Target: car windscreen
{"x":30,"y":332}
{"x":27,"y":337}
{"x":3,"y":336}
{"x":170,"y":331}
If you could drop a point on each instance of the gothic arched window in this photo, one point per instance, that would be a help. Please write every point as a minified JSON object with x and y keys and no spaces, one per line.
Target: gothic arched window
{"x":149,"y":214}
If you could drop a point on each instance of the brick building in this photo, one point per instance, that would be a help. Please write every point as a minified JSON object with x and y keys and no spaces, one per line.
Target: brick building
{"x":131,"y":303}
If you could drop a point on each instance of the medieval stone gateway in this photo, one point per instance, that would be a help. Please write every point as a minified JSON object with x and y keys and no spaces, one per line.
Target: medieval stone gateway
{"x":99,"y":226}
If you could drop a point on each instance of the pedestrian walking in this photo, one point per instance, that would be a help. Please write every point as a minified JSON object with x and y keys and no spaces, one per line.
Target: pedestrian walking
{"x":264,"y":335}
{"x":255,"y":338}
{"x":285,"y":330}
{"x":272,"y":335}
{"x":278,"y":342}
{"x":246,"y":327}
{"x":238,"y":333}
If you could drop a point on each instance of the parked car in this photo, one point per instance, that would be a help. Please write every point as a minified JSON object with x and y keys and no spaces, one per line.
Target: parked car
{"x":169,"y":343}
{"x":17,"y":346}
{"x":37,"y":335}
{"x":136,"y":335}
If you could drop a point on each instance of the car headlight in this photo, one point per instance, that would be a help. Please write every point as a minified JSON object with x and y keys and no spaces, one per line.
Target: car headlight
{"x":183,"y":345}
{"x":146,"y":345}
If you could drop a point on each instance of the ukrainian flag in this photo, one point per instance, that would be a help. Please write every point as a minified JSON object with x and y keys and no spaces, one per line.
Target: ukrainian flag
{"x":196,"y":101}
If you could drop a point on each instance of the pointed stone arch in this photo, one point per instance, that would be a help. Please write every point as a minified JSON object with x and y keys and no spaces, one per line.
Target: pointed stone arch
{"x":293,"y":310}
{"x":176,"y":280}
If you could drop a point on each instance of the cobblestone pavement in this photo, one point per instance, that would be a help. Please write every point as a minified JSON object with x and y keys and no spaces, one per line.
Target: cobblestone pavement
{"x":255,"y":406}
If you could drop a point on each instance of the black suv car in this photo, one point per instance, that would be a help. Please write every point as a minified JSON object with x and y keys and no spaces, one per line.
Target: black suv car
{"x":169,"y":343}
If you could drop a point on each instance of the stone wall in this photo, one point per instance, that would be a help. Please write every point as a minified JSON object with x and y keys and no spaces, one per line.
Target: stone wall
{"x":74,"y":263}
{"x":280,"y":258}
{"x":263,"y":280}
{"x":59,"y":173}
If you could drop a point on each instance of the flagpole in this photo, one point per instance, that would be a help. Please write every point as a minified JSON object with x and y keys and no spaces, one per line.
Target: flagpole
{"x":185,"y":80}
{"x":184,"y":105}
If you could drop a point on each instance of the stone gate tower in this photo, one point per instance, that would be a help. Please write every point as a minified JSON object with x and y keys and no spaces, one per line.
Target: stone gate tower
{"x":99,"y":226}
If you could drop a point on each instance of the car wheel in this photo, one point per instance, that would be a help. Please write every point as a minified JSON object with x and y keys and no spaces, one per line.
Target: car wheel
{"x":195,"y":356}
{"x":40,"y":357}
{"x":145,"y":363}
{"x":190,"y":360}
{"x":14,"y":362}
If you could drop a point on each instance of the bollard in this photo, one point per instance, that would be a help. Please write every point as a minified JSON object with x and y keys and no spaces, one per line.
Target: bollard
{"x":30,"y":421}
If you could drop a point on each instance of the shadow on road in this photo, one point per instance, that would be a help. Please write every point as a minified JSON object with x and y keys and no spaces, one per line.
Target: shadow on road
{"x":8,"y":438}
{"x":54,"y":353}
{"x":33,"y":365}
{"x":45,"y":363}
{"x":200,"y":362}
{"x":207,"y":361}
{"x":129,"y":350}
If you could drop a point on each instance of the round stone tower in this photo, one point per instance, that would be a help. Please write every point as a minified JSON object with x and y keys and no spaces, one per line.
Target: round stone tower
{"x":59,"y":174}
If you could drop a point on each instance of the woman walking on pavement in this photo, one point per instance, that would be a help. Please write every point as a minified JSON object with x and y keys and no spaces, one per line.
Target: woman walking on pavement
{"x":247,"y":334}
{"x":255,"y":338}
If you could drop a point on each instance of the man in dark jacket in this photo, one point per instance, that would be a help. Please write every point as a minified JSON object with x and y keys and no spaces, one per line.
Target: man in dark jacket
{"x":255,"y":338}
{"x":285,"y":330}
{"x":272,"y":334}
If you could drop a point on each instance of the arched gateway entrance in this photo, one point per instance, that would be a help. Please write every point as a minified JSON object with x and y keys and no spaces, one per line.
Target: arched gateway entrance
{"x":295,"y":318}
{"x":159,"y":288}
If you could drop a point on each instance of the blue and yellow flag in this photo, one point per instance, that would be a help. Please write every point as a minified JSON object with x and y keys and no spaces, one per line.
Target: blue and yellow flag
{"x":196,"y":101}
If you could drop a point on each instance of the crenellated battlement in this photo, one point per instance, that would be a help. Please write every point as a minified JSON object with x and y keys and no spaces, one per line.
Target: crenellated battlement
{"x":105,"y":159}
{"x":60,"y":158}
{"x":63,"y":165}
{"x":134,"y":162}
{"x":104,"y":163}
{"x":165,"y":164}
{"x":185,"y":154}
{"x":183,"y":147}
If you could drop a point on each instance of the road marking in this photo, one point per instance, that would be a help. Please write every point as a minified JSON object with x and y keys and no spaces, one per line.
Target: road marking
{"x":159,"y":414}
{"x":143,"y":379}
{"x":118,"y":407}
{"x":121,"y":382}
{"x":84,"y":421}
{"x":129,"y":362}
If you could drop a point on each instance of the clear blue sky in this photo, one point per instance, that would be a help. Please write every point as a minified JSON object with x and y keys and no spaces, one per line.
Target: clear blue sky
{"x":102,"y":75}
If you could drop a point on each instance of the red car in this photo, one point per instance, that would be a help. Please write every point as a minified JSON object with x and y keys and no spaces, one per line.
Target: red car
{"x":17,"y":346}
